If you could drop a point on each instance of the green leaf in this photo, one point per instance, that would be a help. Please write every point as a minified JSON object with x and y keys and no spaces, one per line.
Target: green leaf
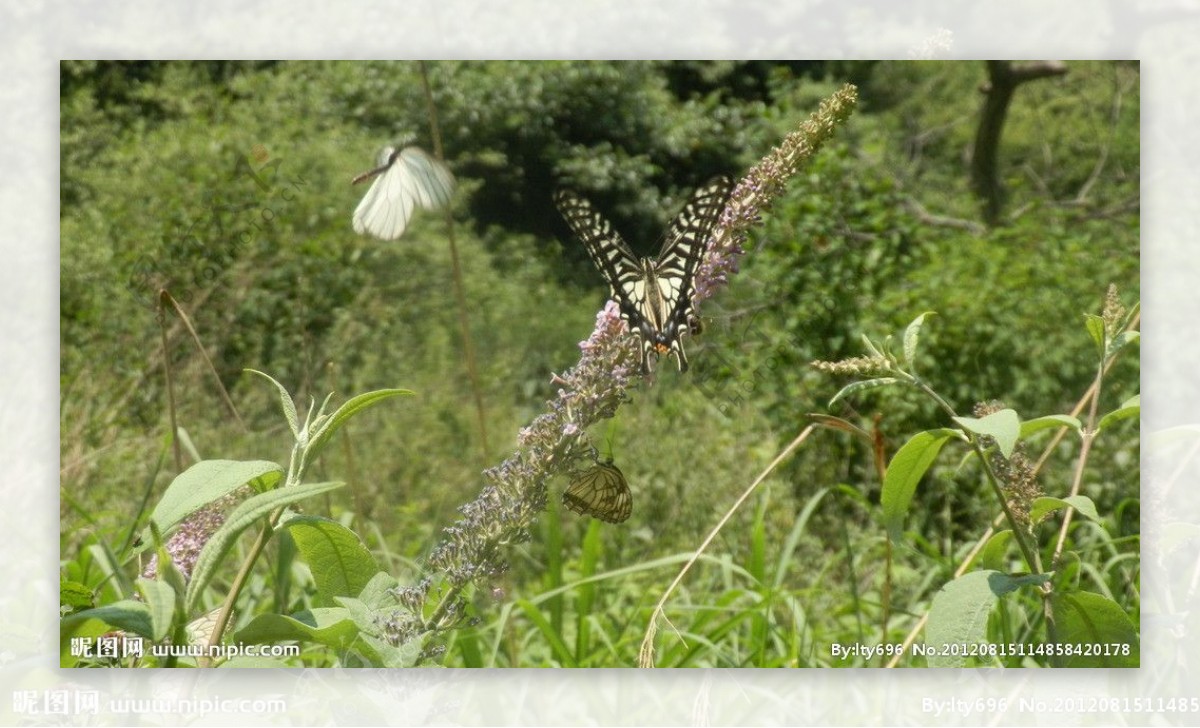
{"x":1098,"y":623}
{"x":1095,"y":329}
{"x":127,"y":614}
{"x":1037,"y":424}
{"x":1131,"y":407}
{"x":244,"y":662}
{"x":341,"y":565}
{"x":377,"y":593}
{"x":285,"y":401}
{"x":243,"y":517}
{"x":1068,"y":571}
{"x":855,"y":387}
{"x":1046,"y":505}
{"x":871,"y":348}
{"x":905,"y":471}
{"x":959,"y":613}
{"x":81,"y":627}
{"x":159,"y":598}
{"x":372,"y":647}
{"x":203,"y":483}
{"x":994,"y":554}
{"x":75,"y":595}
{"x":1004,"y":426}
{"x":1120,"y":341}
{"x":912,"y":336}
{"x":352,"y":407}
{"x":327,"y":626}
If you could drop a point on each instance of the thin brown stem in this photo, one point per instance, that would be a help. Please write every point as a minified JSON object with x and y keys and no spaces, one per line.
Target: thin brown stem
{"x":646,"y":653}
{"x":187,"y":322}
{"x":460,"y":297}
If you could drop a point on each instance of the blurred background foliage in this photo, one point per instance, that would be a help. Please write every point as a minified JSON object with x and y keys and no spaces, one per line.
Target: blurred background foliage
{"x":157,"y":191}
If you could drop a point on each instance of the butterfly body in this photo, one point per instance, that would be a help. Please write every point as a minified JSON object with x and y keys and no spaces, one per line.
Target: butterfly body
{"x":653,"y":293}
{"x":405,"y":178}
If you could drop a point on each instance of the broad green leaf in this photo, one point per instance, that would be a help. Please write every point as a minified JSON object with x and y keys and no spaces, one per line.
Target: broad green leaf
{"x":244,"y":516}
{"x":1096,"y":623}
{"x":159,"y":598}
{"x":905,"y":471}
{"x":127,"y":614}
{"x":341,"y":565}
{"x":377,"y":593}
{"x":1037,"y":424}
{"x":1131,"y":407}
{"x":994,"y":554}
{"x":285,"y":401}
{"x":202,"y":484}
{"x":327,"y":626}
{"x":372,"y":647}
{"x":388,"y":655}
{"x":81,"y":627}
{"x":912,"y":336}
{"x":855,"y":387}
{"x":352,"y":407}
{"x":959,"y":613}
{"x":1045,"y":505}
{"x":1004,"y":426}
{"x":1068,"y":571}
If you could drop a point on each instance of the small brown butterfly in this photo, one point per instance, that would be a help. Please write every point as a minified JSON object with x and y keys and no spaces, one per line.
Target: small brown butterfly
{"x":600,"y":492}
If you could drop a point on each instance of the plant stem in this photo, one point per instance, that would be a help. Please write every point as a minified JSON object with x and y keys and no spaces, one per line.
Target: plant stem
{"x":460,"y":297}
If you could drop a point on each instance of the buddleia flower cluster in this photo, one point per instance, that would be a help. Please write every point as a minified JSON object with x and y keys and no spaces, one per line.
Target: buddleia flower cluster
{"x":185,"y":544}
{"x":763,"y":184}
{"x":515,"y":492}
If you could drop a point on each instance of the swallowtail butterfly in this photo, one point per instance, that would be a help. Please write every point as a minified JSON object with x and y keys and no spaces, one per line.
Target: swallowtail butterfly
{"x":654,"y":294}
{"x":405,"y":178}
{"x":600,"y":492}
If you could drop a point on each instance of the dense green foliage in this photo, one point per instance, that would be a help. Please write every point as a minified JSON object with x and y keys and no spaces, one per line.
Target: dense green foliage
{"x":227,"y":184}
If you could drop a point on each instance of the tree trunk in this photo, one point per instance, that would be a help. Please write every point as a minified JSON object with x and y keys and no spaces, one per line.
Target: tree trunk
{"x":1003,"y":79}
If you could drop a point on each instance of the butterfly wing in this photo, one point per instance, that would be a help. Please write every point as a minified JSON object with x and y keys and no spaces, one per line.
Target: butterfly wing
{"x":675,"y":269}
{"x":429,"y":180}
{"x":655,"y":295}
{"x":601,"y":492}
{"x":607,"y":250}
{"x":411,"y":178}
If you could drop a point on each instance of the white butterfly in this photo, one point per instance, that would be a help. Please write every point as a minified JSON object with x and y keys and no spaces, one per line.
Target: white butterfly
{"x":406,"y":178}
